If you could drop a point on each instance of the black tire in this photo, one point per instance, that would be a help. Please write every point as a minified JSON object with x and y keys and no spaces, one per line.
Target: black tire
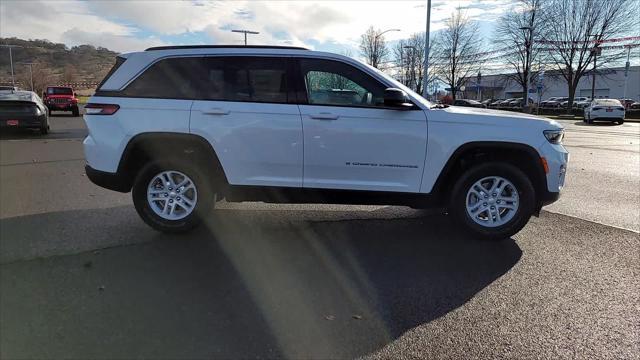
{"x":526,"y":194}
{"x":205,"y":196}
{"x":621,"y":122}
{"x":50,"y":112}
{"x":75,"y":111}
{"x":44,"y":130}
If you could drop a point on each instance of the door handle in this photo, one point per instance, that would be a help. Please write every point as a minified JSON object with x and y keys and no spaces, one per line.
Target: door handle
{"x":324,"y":116}
{"x":215,"y":111}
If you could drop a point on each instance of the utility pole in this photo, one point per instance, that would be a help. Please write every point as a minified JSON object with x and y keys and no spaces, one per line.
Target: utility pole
{"x":426,"y":53}
{"x":626,"y":73}
{"x":13,"y":80}
{"x":30,"y":72}
{"x":479,"y":96}
{"x":245,"y":32}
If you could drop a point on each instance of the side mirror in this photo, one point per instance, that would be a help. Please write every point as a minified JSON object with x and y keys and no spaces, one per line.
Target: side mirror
{"x":397,"y":98}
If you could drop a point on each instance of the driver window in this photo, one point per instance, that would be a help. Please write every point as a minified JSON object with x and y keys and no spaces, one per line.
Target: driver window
{"x":334,"y":83}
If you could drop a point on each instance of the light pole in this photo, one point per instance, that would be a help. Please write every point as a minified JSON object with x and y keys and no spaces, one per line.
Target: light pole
{"x":245,"y":32}
{"x":375,"y":45}
{"x":596,"y":51}
{"x":626,"y":74}
{"x":527,"y":45}
{"x":426,"y":52}
{"x":13,"y":81}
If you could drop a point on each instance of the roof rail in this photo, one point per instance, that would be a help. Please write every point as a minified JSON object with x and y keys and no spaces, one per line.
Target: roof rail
{"x":176,"y":47}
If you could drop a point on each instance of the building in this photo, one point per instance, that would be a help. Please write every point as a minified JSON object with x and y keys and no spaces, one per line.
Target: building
{"x":610,"y":83}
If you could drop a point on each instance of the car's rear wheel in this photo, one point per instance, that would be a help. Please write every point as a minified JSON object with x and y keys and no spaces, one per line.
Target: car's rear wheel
{"x":171,"y":196}
{"x":44,"y":130}
{"x":493,"y":201}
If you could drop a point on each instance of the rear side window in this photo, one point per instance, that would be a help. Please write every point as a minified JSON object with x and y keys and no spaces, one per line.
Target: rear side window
{"x":252,"y":79}
{"x":175,"y":78}
{"x":119,"y":61}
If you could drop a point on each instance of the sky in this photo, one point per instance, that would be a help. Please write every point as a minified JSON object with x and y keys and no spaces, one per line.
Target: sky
{"x":335,"y":26}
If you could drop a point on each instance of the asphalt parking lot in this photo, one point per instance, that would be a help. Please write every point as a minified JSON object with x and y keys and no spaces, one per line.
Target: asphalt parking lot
{"x":82,"y":277}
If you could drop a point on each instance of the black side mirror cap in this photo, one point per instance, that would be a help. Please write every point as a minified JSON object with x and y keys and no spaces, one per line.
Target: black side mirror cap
{"x":394,"y":97}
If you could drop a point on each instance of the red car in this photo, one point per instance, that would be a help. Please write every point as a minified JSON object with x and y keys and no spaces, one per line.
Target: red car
{"x":61,"y":98}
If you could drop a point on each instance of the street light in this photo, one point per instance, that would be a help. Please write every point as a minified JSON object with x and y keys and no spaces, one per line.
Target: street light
{"x":527,"y":44}
{"x":375,"y":46}
{"x":13,"y":81}
{"x":596,"y":51}
{"x":245,"y":32}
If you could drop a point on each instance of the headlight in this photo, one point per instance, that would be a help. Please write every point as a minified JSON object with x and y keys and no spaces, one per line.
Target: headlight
{"x":554,"y":136}
{"x":38,"y":111}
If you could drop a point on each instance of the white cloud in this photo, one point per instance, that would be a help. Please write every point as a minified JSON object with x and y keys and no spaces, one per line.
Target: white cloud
{"x":70,"y":22}
{"x":126,"y":25}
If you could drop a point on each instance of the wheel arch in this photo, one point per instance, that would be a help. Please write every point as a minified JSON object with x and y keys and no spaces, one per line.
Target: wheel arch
{"x":523,"y":156}
{"x":150,"y":146}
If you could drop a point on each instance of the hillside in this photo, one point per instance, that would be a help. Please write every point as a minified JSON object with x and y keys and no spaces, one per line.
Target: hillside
{"x":54,"y":62}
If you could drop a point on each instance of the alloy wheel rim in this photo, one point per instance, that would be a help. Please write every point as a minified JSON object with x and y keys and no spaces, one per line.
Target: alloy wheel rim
{"x":492,"y":201}
{"x":172,"y":195}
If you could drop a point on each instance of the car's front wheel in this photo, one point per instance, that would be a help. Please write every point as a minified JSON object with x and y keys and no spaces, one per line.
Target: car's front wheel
{"x":172,"y":197}
{"x":493,"y":201}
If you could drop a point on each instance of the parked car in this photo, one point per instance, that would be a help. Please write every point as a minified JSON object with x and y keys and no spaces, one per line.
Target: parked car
{"x":505,"y":103}
{"x":486,"y":102}
{"x":635,"y":106}
{"x":517,"y":102}
{"x":10,"y":88}
{"x":604,"y":110}
{"x":556,"y":103}
{"x":581,"y":104}
{"x":61,"y":98}
{"x":228,"y":124}
{"x":626,"y":102}
{"x":576,"y":99}
{"x":495,"y":103}
{"x":468,"y":103}
{"x":23,"y":109}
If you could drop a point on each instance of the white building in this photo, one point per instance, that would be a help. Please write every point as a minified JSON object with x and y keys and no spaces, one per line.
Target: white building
{"x":610,"y":83}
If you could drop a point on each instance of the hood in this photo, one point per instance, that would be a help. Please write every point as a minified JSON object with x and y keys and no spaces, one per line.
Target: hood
{"x":59,"y":96}
{"x":493,"y":117}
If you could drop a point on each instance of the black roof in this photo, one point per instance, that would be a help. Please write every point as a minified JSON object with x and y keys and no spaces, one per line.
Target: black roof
{"x":224,"y":47}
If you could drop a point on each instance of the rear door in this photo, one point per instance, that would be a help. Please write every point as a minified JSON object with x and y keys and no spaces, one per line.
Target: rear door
{"x":246,"y":112}
{"x":351,"y":140}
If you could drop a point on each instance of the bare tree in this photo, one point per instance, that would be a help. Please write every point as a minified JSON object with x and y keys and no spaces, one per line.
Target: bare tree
{"x":456,"y":52}
{"x":42,"y":76}
{"x":516,"y":31}
{"x":373,"y":47}
{"x":409,"y":60}
{"x":575,"y":28}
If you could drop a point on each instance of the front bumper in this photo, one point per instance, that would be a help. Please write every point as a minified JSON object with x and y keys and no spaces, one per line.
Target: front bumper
{"x":62,"y":107}
{"x":108,"y":180}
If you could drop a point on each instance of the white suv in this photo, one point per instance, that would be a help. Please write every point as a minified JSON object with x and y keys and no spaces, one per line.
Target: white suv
{"x":184,"y":126}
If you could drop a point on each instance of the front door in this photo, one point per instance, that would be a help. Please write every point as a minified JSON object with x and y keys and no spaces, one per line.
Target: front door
{"x":351,"y":140}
